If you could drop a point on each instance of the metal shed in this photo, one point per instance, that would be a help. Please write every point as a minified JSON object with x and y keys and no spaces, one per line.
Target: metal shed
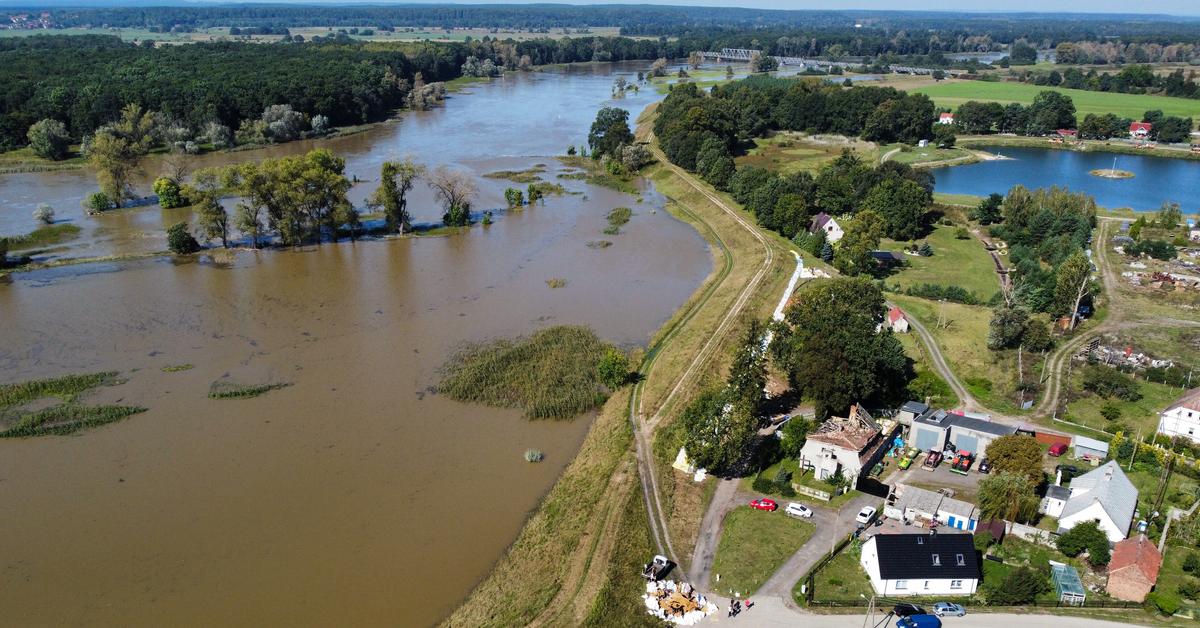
{"x":1067,"y":584}
{"x":1090,"y":448}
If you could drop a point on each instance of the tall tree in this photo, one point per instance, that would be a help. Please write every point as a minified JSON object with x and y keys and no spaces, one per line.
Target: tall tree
{"x":831,"y":351}
{"x":1010,"y":496}
{"x":609,"y":132}
{"x":49,"y":139}
{"x":902,"y":204}
{"x":1017,"y":454}
{"x":396,"y":179}
{"x":1073,"y":282}
{"x":717,"y":432}
{"x":115,"y":160}
{"x":861,"y":237}
{"x":748,"y":373}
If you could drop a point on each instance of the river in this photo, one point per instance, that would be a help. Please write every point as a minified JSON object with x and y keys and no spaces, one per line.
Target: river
{"x":355,"y":496}
{"x":1156,"y":179}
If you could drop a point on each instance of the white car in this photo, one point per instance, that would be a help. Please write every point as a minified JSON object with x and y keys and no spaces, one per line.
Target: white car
{"x":799,"y":511}
{"x":865,"y":515}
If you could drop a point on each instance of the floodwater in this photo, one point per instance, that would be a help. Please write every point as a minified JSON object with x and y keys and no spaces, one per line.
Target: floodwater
{"x":355,"y":496}
{"x":1156,"y":179}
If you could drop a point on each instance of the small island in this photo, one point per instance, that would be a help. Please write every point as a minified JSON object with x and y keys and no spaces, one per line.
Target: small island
{"x":1111,"y":173}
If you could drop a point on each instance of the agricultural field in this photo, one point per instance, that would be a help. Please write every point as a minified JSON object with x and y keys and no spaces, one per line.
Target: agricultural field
{"x":787,"y":152}
{"x":955,"y":262}
{"x":954,"y":93}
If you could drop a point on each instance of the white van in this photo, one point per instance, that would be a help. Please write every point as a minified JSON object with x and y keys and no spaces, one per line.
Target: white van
{"x":800,"y":511}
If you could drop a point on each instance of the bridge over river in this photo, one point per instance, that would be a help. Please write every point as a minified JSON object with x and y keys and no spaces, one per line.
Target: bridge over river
{"x":745,"y":54}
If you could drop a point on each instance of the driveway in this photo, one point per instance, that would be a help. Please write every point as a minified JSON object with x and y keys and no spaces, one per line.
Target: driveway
{"x":832,"y":526}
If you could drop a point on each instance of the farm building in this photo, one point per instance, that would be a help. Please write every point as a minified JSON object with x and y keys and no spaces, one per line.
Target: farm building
{"x":1090,"y":448}
{"x":1133,"y":569}
{"x":938,"y":430}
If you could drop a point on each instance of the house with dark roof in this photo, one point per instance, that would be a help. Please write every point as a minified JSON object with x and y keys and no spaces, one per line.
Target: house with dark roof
{"x":1133,"y":569}
{"x":887,"y":259}
{"x":921,"y":564}
{"x":825,"y":222}
{"x":1104,"y":495}
{"x":1055,"y":500}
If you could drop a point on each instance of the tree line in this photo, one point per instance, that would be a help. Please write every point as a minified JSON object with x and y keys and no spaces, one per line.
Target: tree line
{"x":1131,"y":79}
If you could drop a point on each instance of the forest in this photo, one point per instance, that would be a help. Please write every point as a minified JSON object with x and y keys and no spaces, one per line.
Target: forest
{"x":84,"y":82}
{"x":950,"y":30}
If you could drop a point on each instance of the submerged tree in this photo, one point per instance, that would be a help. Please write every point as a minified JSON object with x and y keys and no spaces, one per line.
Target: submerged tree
{"x":396,"y":179}
{"x":455,"y":190}
{"x":115,"y":159}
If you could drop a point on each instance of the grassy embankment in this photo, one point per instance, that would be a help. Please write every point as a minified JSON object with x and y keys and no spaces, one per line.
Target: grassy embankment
{"x":23,"y":160}
{"x":754,"y":544}
{"x":48,"y":235}
{"x":951,"y":94}
{"x":565,"y":566}
{"x":25,"y":409}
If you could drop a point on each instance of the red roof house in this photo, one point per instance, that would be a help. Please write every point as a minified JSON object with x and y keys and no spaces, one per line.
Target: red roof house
{"x":1140,"y":130}
{"x":896,"y":321}
{"x":946,"y":118}
{"x":1133,"y":569}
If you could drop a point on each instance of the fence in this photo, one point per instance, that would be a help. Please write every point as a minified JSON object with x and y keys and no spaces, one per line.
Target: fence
{"x":810,"y":577}
{"x":812,"y":492}
{"x":1030,"y":533}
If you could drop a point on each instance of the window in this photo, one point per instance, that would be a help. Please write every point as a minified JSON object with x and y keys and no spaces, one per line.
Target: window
{"x":937,"y":560}
{"x":958,"y":558}
{"x":956,"y":584}
{"x":901,"y":585}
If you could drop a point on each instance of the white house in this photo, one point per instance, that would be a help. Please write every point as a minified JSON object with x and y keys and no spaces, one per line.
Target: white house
{"x":896,"y":321}
{"x":825,"y":222}
{"x":1182,"y":417}
{"x":842,"y":445}
{"x":1103,"y":495}
{"x":946,"y":118}
{"x":1055,"y":500}
{"x":921,"y":564}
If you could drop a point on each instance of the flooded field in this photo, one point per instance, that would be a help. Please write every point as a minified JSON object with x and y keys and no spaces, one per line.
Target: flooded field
{"x":354,"y":496}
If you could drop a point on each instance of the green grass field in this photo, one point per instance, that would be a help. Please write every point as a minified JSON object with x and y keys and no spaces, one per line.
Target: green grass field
{"x":954,"y":262}
{"x":953,"y":94}
{"x":927,"y":156}
{"x":1139,"y":415}
{"x":788,"y":153}
{"x":753,"y":545}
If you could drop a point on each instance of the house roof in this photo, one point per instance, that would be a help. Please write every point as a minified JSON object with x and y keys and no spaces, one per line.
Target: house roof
{"x":915,"y":407}
{"x":819,"y":221}
{"x":979,"y":425}
{"x":854,"y":433}
{"x":1189,"y":400}
{"x":1107,"y":486}
{"x":1137,"y":552}
{"x":904,"y":556}
{"x":1060,"y":493}
{"x":1140,"y":126}
{"x":895,"y":314}
{"x":887,"y":256}
{"x":1067,"y":132}
{"x":946,"y":115}
{"x":935,"y":418}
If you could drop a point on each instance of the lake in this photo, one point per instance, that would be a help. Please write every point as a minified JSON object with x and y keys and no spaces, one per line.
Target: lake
{"x":356,"y":496}
{"x":1157,"y":179}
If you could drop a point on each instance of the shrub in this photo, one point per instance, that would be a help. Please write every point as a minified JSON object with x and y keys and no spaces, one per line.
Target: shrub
{"x":534,"y":455}
{"x":1166,"y":603}
{"x":170,"y":195}
{"x":1190,"y":588}
{"x":1191,"y":563}
{"x":613,"y":369}
{"x":762,"y":485}
{"x":97,"y":202}
{"x":1109,"y":382}
{"x":180,"y":240}
{"x":1020,"y":586}
{"x":961,"y":233}
{"x":44,"y":214}
{"x":1110,"y":411}
{"x":1086,"y":536}
{"x":49,"y":139}
{"x":954,"y":294}
{"x":983,"y":540}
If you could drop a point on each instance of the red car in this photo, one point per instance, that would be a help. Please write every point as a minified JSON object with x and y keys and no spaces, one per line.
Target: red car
{"x":764,"y":504}
{"x":1058,"y":449}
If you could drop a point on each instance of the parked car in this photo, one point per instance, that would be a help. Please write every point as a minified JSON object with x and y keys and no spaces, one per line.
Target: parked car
{"x":919,"y":621}
{"x":933,"y":460}
{"x":941,"y":609}
{"x":1069,"y":471}
{"x":905,"y":609}
{"x":905,"y":462}
{"x":985,"y":466}
{"x":962,"y":463}
{"x":798,"y":510}
{"x":1058,"y":449}
{"x":764,"y":503}
{"x":865,"y":515}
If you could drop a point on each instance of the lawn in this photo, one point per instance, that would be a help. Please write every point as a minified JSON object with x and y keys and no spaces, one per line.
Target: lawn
{"x":1140,"y":415}
{"x":930,"y":155}
{"x":927,"y":382}
{"x":794,"y":152}
{"x":1181,"y":490}
{"x":954,"y":262}
{"x":842,"y":578}
{"x":989,"y":376}
{"x":953,"y":94}
{"x":753,"y":545}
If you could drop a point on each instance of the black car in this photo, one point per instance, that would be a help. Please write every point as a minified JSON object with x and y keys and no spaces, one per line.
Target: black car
{"x":904,"y":609}
{"x":985,"y":466}
{"x":1069,"y":471}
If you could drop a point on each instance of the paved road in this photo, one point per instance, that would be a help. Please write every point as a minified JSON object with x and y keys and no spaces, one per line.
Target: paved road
{"x":771,"y":612}
{"x":724,"y":499}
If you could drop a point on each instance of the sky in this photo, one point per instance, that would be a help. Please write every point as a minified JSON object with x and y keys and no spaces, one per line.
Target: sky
{"x":1170,"y":7}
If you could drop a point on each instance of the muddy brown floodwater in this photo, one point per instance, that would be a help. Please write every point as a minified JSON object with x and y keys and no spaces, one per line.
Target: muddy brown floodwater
{"x":354,"y":496}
